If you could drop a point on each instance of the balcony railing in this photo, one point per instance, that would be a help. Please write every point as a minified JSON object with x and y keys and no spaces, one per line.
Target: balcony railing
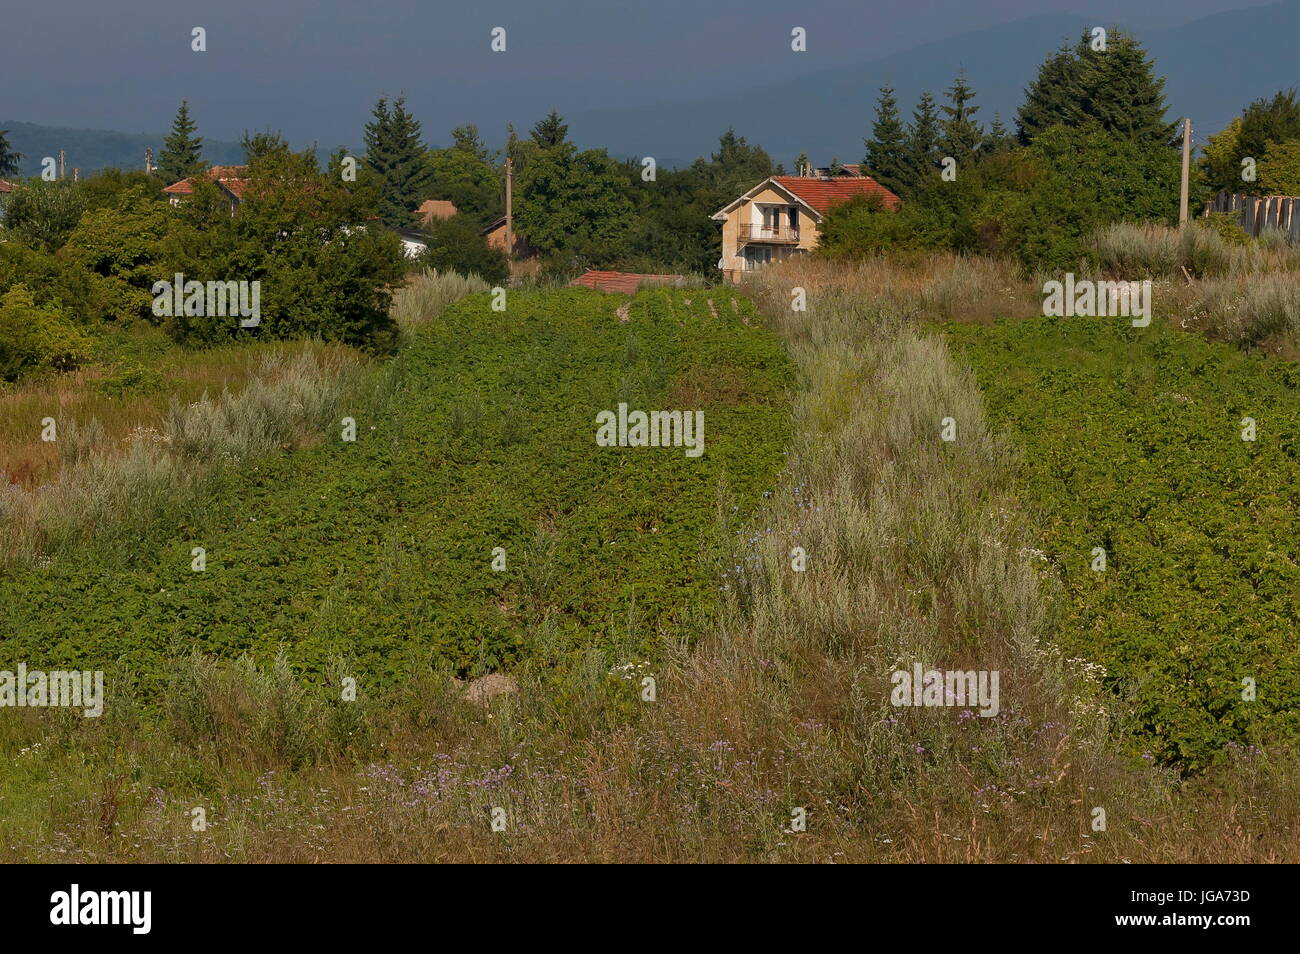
{"x":784,"y":235}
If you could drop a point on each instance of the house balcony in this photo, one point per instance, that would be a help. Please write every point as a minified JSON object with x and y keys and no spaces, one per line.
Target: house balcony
{"x":783,"y":235}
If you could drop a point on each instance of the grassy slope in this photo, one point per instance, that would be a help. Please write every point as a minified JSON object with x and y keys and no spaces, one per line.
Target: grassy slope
{"x":380,"y":549}
{"x":1131,"y":442}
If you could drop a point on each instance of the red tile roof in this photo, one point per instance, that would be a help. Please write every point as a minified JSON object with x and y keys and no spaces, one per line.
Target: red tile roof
{"x":231,"y":178}
{"x":822,"y":194}
{"x":431,"y":209}
{"x":624,"y":282}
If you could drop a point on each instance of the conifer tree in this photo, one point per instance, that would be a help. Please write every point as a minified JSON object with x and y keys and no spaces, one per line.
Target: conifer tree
{"x":396,"y":154}
{"x":922,"y":143}
{"x":182,"y":151}
{"x":886,"y":158}
{"x":1122,"y":92}
{"x":1110,"y":83}
{"x":550,"y":132}
{"x":8,"y":158}
{"x":1055,"y":97}
{"x":998,"y":137}
{"x":961,"y":135}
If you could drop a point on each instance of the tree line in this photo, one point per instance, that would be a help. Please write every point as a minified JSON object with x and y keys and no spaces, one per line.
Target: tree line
{"x":1092,"y":145}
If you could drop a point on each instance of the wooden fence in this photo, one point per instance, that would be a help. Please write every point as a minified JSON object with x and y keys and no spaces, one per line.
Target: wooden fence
{"x":1257,"y":213}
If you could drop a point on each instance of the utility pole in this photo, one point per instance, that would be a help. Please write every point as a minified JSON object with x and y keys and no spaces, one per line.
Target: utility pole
{"x":60,"y":163}
{"x":148,"y":161}
{"x":1187,"y":158}
{"x":510,"y":217}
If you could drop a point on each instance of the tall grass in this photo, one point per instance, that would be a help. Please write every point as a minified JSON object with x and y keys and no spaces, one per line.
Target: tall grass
{"x":1246,"y":294}
{"x":1261,"y":308}
{"x":107,"y":489}
{"x":1133,"y":251}
{"x":934,"y":286}
{"x":1243,"y":291}
{"x":427,"y":295}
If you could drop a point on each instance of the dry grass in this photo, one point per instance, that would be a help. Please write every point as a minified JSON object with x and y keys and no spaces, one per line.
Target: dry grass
{"x":1158,"y":251}
{"x":84,"y":400}
{"x":108,"y":486}
{"x":425,"y":296}
{"x":1245,"y":295}
{"x":915,"y":553}
{"x":939,"y":286}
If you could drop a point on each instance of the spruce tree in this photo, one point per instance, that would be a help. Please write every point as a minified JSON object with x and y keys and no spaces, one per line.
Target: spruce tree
{"x":261,"y":144}
{"x":1115,"y":87}
{"x":8,"y":158}
{"x":550,"y":132}
{"x":1122,"y":92}
{"x":886,"y":158}
{"x":467,"y":139}
{"x":922,"y":144}
{"x":396,"y":154}
{"x":999,"y":136}
{"x":182,"y":151}
{"x":961,"y":136}
{"x":1055,"y":97}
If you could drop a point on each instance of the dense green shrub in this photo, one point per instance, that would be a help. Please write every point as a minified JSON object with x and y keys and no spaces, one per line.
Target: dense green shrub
{"x":35,"y":338}
{"x":863,"y":226}
{"x":1038,"y":203}
{"x":123,"y":243}
{"x":56,"y":281}
{"x":301,"y":234}
{"x":43,"y":214}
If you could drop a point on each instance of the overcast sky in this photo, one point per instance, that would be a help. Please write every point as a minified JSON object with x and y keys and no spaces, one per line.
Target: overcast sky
{"x":314,"y":69}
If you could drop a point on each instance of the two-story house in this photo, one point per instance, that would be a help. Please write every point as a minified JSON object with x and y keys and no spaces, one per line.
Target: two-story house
{"x":781,"y":216}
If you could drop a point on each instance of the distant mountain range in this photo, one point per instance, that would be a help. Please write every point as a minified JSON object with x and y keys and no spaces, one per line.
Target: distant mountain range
{"x":1215,"y":66}
{"x":93,"y":149}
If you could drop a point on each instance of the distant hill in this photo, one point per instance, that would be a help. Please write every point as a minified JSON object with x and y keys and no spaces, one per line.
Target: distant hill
{"x":1215,"y":66}
{"x":91,"y":150}
{"x":827,"y":114}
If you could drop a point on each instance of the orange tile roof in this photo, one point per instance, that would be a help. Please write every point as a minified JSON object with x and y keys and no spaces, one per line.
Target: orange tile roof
{"x":6,"y":186}
{"x":624,"y":282}
{"x":822,"y":194}
{"x":231,"y":178}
